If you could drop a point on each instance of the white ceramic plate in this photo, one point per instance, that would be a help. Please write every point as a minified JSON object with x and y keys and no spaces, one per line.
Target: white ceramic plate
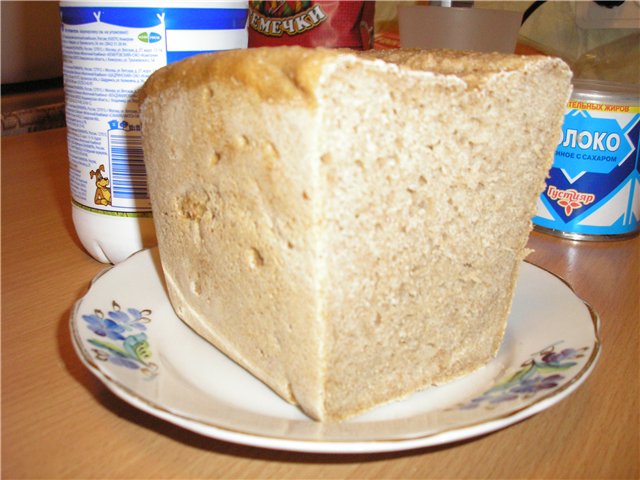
{"x":125,"y":331}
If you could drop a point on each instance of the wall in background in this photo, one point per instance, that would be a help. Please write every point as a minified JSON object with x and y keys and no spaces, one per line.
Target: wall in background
{"x":30,"y":41}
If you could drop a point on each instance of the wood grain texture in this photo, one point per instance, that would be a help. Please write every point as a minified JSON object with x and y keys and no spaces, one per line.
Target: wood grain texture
{"x":58,"y":421}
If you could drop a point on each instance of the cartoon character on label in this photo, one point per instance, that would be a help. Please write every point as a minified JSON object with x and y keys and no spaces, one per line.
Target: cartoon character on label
{"x":103,"y":192}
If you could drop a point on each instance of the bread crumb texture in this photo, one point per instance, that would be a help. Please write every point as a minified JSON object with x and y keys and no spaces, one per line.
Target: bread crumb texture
{"x":349,"y":227}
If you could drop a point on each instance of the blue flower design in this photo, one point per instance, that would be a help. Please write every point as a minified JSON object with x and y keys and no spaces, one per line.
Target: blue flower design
{"x":490,"y":398}
{"x":127,"y":329}
{"x":128,"y":322}
{"x":558,"y":357}
{"x":104,"y":327}
{"x":534,"y":376}
{"x":537,"y":383}
{"x":123,"y":362}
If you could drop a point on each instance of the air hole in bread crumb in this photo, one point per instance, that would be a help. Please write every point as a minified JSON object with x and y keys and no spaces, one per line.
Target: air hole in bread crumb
{"x":422,"y":180}
{"x":241,"y":141}
{"x":289,"y":395}
{"x":425,"y":204}
{"x":360,"y":164}
{"x":254,"y":258}
{"x":192,"y":205}
{"x":270,"y":150}
{"x":326,"y":158}
{"x":196,"y":287}
{"x":290,"y":245}
{"x":215,"y":158}
{"x":305,"y":195}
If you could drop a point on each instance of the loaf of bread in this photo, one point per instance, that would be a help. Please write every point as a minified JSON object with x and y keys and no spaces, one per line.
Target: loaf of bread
{"x":349,"y":227}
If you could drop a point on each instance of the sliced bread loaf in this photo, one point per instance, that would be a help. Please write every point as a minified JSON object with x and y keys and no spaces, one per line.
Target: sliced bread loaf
{"x":349,"y":228}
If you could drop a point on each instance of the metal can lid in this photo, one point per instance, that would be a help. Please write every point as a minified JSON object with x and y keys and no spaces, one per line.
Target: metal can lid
{"x":601,"y":91}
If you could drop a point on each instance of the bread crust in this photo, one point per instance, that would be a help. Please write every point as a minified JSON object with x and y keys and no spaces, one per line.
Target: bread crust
{"x":349,"y":227}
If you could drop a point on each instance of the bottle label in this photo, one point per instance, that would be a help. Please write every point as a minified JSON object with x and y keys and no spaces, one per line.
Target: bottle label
{"x":108,"y":53}
{"x":594,"y":185}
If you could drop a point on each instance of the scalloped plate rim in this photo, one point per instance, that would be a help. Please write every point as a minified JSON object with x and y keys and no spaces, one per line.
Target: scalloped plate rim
{"x":366,"y":445}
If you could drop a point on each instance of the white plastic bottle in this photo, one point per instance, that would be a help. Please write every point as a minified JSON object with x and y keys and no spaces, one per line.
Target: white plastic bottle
{"x":109,"y":49}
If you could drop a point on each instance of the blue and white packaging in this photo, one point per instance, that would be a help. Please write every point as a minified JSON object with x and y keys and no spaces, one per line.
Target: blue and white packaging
{"x":109,"y":50}
{"x":593,"y":189}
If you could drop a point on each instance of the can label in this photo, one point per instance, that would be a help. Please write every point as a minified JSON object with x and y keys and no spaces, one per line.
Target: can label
{"x":108,"y":53}
{"x":594,"y":185}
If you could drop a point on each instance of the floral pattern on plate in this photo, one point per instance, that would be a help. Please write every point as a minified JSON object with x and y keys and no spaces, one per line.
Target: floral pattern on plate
{"x":199,"y":388}
{"x":120,"y":338}
{"x":538,"y":374}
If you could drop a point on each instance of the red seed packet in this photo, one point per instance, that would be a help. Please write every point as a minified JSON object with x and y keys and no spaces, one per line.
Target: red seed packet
{"x":311,"y":24}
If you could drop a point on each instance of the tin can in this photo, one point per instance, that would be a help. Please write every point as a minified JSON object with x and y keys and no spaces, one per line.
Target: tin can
{"x":593,"y":189}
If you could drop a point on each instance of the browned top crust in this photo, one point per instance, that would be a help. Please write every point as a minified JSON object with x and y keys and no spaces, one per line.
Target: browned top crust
{"x":285,"y":73}
{"x":290,"y":73}
{"x":455,"y":62}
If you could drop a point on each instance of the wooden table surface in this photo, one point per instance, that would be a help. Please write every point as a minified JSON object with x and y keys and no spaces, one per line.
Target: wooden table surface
{"x":59,"y":421}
